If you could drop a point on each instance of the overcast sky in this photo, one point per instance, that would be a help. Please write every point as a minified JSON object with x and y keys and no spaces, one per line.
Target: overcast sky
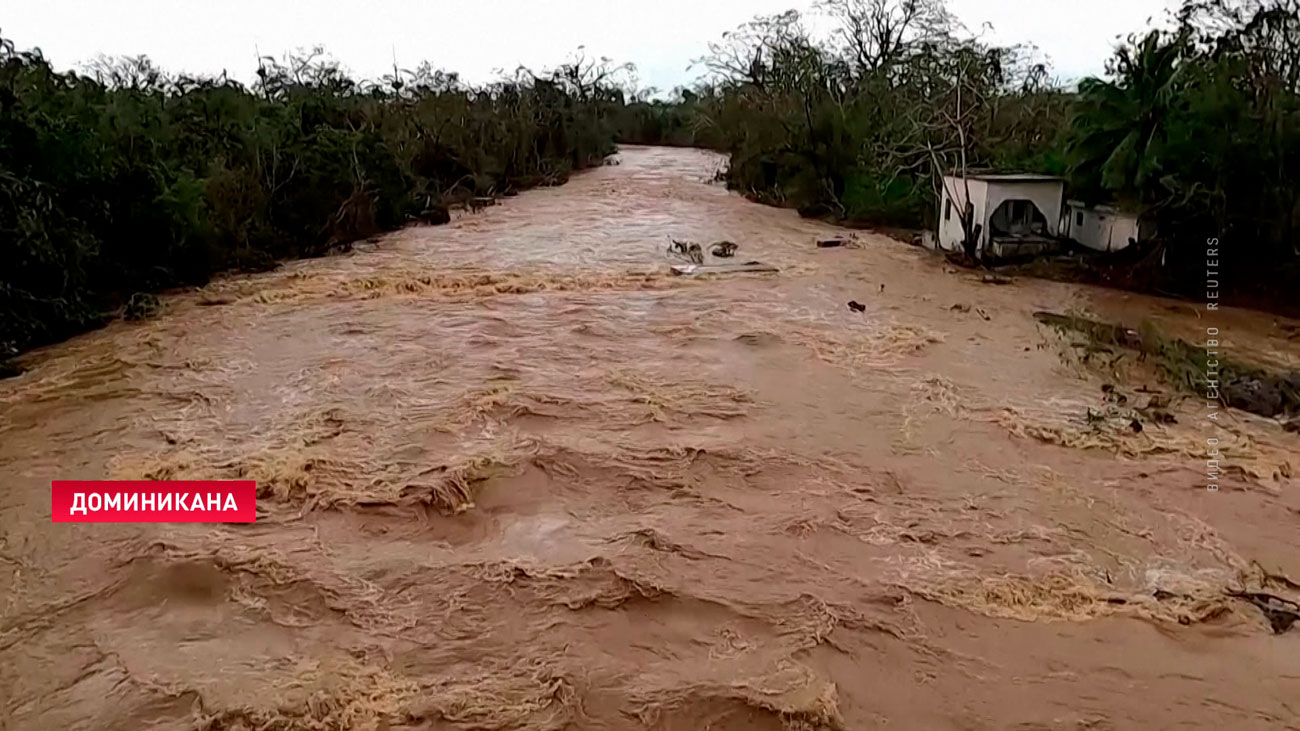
{"x":475,"y":37}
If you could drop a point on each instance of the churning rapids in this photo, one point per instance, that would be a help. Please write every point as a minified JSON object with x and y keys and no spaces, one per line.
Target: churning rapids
{"x":515,"y":475}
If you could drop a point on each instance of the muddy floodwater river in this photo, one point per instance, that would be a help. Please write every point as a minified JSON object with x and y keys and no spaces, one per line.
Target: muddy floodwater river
{"x":513,"y":474}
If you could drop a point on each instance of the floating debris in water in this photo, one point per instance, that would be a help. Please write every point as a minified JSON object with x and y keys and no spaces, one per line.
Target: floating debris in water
{"x":1280,"y":613}
{"x":848,"y":241}
{"x":749,"y":267}
{"x":687,"y":250}
{"x":724,"y":249}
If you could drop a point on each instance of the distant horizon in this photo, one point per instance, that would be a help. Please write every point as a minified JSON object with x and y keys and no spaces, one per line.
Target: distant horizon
{"x":201,"y":40}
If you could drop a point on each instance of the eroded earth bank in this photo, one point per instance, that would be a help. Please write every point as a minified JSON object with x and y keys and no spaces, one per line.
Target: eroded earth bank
{"x":515,"y":475}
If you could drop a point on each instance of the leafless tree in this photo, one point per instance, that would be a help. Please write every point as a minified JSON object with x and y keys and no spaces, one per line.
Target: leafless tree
{"x":126,"y":72}
{"x":745,"y":54}
{"x":587,"y":75}
{"x":878,"y":34}
{"x":946,"y":122}
{"x":1268,"y":31}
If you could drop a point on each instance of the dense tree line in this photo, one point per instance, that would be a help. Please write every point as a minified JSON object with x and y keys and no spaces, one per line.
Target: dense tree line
{"x":856,"y":124}
{"x":126,"y":180}
{"x":1196,"y":126}
{"x":675,"y":122}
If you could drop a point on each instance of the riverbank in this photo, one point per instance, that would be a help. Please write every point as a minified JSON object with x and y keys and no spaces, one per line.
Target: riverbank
{"x":129,"y":181}
{"x":514,"y":474}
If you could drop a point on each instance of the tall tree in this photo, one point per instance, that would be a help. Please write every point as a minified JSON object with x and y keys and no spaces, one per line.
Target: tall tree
{"x":1119,"y":125}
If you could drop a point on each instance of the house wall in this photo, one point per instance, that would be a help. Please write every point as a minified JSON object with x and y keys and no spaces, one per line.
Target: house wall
{"x":1101,"y":230}
{"x":1122,"y":229}
{"x":950,"y":233}
{"x":1046,"y":195}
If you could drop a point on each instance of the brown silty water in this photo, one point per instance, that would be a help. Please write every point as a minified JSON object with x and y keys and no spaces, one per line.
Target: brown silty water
{"x":515,"y":475}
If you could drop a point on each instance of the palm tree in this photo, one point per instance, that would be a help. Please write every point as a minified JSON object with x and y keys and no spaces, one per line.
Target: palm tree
{"x":1118,"y":132}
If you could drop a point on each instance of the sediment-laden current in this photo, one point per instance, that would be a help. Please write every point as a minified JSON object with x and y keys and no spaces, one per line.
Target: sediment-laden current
{"x":513,"y":474}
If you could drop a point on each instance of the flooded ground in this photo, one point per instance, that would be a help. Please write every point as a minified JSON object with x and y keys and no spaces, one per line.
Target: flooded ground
{"x":514,"y":475}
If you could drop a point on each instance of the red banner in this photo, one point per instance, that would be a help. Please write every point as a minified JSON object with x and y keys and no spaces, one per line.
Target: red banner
{"x":143,"y":501}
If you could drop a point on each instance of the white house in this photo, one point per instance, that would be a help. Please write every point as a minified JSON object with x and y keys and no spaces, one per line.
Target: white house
{"x":1103,"y":228}
{"x":1015,"y":214}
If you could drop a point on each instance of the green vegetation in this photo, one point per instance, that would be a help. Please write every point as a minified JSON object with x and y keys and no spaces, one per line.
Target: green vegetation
{"x":127,"y":180}
{"x":855,"y":125}
{"x":1197,"y":127}
{"x":1200,"y":131}
{"x":681,"y":121}
{"x":1261,"y":390}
